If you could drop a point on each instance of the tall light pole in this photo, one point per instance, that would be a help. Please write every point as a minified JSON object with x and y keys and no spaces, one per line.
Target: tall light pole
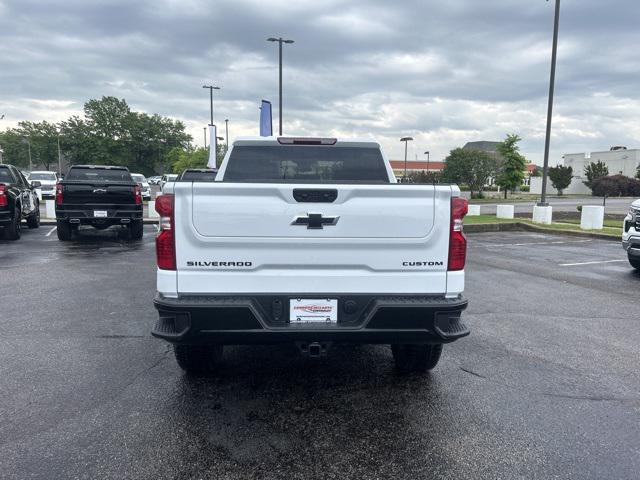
{"x":26,"y":140}
{"x":428,"y":157}
{"x":280,"y":41}
{"x":406,"y":140}
{"x":59,"y":155}
{"x":552,"y":81}
{"x":205,"y":136}
{"x":226,"y":127}
{"x":211,"y":89}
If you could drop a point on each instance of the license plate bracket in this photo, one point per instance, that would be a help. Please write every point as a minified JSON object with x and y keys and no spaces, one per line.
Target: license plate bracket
{"x":100,"y":214}
{"x":313,"y":310}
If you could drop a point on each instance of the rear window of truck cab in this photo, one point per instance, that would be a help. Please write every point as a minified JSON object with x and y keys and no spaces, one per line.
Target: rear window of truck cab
{"x":306,"y":164}
{"x":99,"y":175}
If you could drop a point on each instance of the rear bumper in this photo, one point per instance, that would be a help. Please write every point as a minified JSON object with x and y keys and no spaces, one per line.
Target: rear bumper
{"x":115,"y":214}
{"x":263,"y":319}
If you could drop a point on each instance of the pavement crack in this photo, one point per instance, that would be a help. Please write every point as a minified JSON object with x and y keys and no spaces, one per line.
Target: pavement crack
{"x":471,"y":372}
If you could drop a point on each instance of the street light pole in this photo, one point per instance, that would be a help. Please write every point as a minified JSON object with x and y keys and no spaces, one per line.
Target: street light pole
{"x":428,"y":157}
{"x":211,"y":89}
{"x":405,"y":140}
{"x":59,"y":156}
{"x":552,"y":81}
{"x":226,"y":127}
{"x":280,"y":41}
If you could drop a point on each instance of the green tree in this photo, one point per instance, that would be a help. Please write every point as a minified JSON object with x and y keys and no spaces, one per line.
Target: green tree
{"x":593,"y":171}
{"x":560,"y":177}
{"x":188,"y":158}
{"x":473,"y":168}
{"x":513,"y":166}
{"x":638,"y":172}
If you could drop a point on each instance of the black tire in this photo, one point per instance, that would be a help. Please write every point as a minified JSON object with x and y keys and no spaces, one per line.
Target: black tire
{"x":416,"y":358}
{"x":136,"y":229}
{"x":12,"y":231}
{"x":635,"y":262}
{"x":198,"y":359}
{"x":33,"y":220}
{"x":64,"y":230}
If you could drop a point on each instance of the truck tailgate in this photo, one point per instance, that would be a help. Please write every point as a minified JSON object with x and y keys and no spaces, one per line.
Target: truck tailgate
{"x":83,"y":193}
{"x":234,"y":238}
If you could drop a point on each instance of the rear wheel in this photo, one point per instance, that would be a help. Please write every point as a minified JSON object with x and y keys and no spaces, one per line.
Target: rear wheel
{"x":136,"y":229}
{"x":64,"y":230}
{"x":12,"y":231}
{"x":416,"y":358}
{"x":635,"y":262}
{"x":33,"y":220}
{"x":198,"y":358}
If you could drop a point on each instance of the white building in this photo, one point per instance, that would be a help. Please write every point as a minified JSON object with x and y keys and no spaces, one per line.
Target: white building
{"x":618,"y":160}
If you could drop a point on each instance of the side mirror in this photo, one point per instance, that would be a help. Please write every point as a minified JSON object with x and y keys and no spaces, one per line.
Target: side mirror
{"x":36,"y":184}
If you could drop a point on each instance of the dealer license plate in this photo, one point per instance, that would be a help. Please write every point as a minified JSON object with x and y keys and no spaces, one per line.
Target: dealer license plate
{"x":315,"y":310}
{"x":100,"y":213}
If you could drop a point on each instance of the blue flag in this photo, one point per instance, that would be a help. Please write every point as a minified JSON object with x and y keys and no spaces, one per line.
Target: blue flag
{"x":266,"y":122}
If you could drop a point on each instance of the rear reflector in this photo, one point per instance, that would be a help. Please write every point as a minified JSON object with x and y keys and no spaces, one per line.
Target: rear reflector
{"x":4,"y":201}
{"x":59,"y":194}
{"x":306,"y":141}
{"x":165,"y":240}
{"x":457,"y":240}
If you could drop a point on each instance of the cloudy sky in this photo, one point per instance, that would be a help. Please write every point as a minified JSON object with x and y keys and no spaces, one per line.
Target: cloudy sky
{"x":444,"y":72}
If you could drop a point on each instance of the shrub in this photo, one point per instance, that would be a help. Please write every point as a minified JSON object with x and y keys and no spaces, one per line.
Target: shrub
{"x":525,"y":188}
{"x":616,"y":186}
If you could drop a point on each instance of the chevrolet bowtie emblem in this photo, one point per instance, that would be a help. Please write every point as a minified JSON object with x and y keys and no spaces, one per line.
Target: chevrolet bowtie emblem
{"x":315,"y":221}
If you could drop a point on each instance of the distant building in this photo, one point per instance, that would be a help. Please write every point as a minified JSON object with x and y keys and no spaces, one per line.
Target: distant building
{"x":619,"y":161}
{"x":415,"y":166}
{"x":491,"y":148}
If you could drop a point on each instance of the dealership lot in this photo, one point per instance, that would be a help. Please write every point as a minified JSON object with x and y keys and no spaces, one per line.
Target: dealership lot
{"x":547,"y":385}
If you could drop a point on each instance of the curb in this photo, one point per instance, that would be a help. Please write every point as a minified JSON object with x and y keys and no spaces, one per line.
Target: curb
{"x":515,"y":226}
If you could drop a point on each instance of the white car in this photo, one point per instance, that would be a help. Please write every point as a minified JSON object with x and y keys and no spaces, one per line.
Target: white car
{"x":47,"y":181}
{"x":168,"y":178}
{"x":145,"y":189}
{"x":309,"y":241}
{"x":631,"y":235}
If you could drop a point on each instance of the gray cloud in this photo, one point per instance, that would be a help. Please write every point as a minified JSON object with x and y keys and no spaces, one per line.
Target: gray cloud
{"x":444,"y":72}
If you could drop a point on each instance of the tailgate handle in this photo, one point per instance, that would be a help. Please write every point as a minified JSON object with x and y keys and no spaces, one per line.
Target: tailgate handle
{"x":311,"y":195}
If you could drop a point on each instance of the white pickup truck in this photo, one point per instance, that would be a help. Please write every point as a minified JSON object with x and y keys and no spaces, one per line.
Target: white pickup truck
{"x":310,"y":241}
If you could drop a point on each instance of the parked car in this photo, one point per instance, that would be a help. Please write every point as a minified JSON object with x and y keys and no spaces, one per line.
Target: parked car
{"x":155,"y":180}
{"x":631,"y":235}
{"x":168,"y":178}
{"x":300,"y":240}
{"x":145,"y":189}
{"x":100,"y":196}
{"x":198,"y":175}
{"x":47,"y":181}
{"x":18,"y":201}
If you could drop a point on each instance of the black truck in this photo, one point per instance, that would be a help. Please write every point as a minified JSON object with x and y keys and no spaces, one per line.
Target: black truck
{"x":18,"y":201}
{"x":101,"y":196}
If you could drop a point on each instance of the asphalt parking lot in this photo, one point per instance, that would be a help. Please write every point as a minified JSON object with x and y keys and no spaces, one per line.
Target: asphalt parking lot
{"x":546,"y":386}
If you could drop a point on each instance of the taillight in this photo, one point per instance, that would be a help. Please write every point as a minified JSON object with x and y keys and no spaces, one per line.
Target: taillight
{"x":4,"y":201}
{"x":165,"y":240}
{"x":457,"y":240}
{"x":59,"y":194}
{"x":138,"y":194}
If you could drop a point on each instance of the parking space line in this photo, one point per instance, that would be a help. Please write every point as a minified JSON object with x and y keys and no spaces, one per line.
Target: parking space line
{"x":589,"y":263}
{"x":557,"y":242}
{"x":51,"y":231}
